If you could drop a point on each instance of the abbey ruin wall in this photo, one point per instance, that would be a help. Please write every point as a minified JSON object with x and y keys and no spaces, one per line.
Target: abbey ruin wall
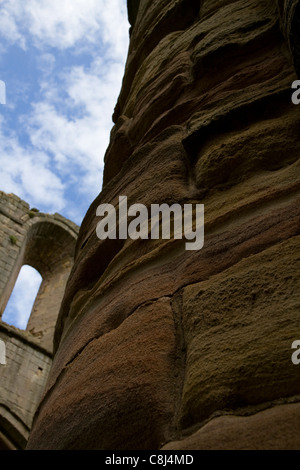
{"x":45,"y":242}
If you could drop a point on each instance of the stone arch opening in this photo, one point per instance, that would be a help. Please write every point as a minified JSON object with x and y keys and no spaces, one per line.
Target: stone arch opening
{"x":48,"y":247}
{"x":20,"y":304}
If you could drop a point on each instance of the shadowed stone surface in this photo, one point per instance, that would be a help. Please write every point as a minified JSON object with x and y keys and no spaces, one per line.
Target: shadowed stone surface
{"x":155,"y":346}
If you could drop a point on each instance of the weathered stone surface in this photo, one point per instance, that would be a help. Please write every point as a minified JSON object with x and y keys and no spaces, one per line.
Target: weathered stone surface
{"x":204,"y":116}
{"x":290,"y":20}
{"x":122,"y":382}
{"x":272,"y":429}
{"x":238,"y":327}
{"x":22,"y":381}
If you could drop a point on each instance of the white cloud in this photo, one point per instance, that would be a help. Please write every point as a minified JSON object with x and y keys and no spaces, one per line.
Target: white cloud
{"x":68,"y":125}
{"x":8,"y":25}
{"x":77,"y":133}
{"x":26,"y":172}
{"x":55,"y":162}
{"x":64,"y":23}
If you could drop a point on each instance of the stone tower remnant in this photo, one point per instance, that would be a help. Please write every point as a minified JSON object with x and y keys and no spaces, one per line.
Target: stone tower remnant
{"x":157,"y":347}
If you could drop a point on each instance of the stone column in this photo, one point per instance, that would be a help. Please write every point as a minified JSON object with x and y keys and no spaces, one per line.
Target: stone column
{"x":161,"y":347}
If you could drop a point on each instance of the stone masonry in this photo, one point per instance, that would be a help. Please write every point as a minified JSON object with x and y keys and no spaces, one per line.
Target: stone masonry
{"x":45,"y":242}
{"x":157,"y":347}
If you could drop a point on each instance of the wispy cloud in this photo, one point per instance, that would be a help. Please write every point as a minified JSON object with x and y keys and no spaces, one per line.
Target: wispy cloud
{"x":64,"y":23}
{"x":27,"y":173}
{"x":78,"y":50}
{"x":63,"y":63}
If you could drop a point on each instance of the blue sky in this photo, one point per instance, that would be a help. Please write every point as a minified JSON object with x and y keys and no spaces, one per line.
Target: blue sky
{"x":62,"y":62}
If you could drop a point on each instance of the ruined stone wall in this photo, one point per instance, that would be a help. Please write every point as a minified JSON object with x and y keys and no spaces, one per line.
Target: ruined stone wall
{"x":45,"y":242}
{"x":157,"y":347}
{"x":22,"y":381}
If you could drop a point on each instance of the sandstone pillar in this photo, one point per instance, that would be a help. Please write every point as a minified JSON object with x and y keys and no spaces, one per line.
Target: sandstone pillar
{"x":160,"y":347}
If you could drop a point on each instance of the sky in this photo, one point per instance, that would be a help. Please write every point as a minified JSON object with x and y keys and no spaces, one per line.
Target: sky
{"x":62,"y":63}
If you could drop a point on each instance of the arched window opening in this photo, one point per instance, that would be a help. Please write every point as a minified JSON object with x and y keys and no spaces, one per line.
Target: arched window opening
{"x":19,"y":306}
